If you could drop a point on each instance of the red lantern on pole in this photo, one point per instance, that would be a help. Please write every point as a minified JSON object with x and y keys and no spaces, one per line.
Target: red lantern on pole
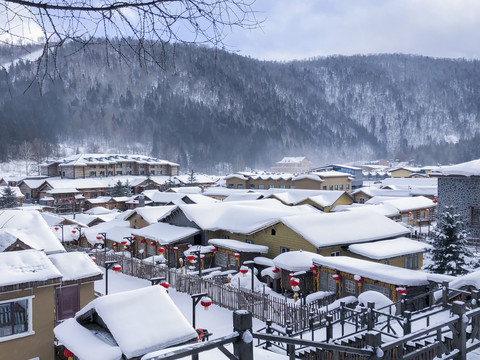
{"x":206,"y":302}
{"x":313,"y":268}
{"x":153,"y":243}
{"x":175,"y":248}
{"x":294,"y":282}
{"x":191,"y":258}
{"x":276,"y":270}
{"x":142,"y":241}
{"x":56,"y":228}
{"x":426,"y":210}
{"x":68,"y":354}
{"x":244,"y":270}
{"x":237,"y":256}
{"x":409,"y":213}
{"x":134,"y":239}
{"x":127,"y":248}
{"x":116,"y":268}
{"x":114,"y":244}
{"x":124,"y":242}
{"x":99,"y":237}
{"x":165,"y":284}
{"x":94,"y":259}
{"x":435,"y":200}
{"x":401,"y":290}
{"x":290,"y":275}
{"x":74,"y":232}
{"x":358,"y":279}
{"x":161,"y":250}
{"x":336,"y":277}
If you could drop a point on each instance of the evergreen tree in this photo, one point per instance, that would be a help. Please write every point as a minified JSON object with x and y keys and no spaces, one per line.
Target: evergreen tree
{"x":449,"y":245}
{"x":8,"y":198}
{"x":119,"y":189}
{"x":192,"y":179}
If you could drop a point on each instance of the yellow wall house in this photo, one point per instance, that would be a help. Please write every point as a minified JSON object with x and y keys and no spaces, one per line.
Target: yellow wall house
{"x":320,"y":199}
{"x":327,"y":234}
{"x":27,"y":305}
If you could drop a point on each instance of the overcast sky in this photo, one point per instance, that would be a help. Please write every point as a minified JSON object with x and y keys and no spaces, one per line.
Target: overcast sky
{"x":306,"y":28}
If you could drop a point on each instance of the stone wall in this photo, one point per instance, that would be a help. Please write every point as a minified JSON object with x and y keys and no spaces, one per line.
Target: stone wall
{"x":461,"y":192}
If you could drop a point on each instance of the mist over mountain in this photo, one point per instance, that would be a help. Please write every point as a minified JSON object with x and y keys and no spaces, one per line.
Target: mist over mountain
{"x":217,"y":111}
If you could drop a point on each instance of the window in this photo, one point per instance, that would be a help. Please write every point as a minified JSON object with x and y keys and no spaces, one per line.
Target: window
{"x":119,"y":165}
{"x":291,"y":187}
{"x":239,"y":186}
{"x":248,"y":241}
{"x":226,"y":237}
{"x":282,"y":186}
{"x":347,"y":186}
{"x":350,"y":287}
{"x":119,"y":173}
{"x":274,"y":232}
{"x":142,"y":166}
{"x":331,"y":187}
{"x":475,"y":216}
{"x":129,"y":173}
{"x":92,"y":173}
{"x":230,"y":186}
{"x":251,"y":186}
{"x":93,"y":166}
{"x":15,"y":318}
{"x":336,"y":187}
{"x":152,"y":172}
{"x":271,"y":186}
{"x":324,"y":187}
{"x":261,"y":186}
{"x":159,"y":172}
{"x":102,"y":173}
{"x":361,"y":201}
{"x":102,"y":166}
{"x":341,"y":186}
{"x":110,"y":166}
{"x":335,"y":253}
{"x":284,"y":250}
{"x":142,"y":172}
{"x":110,"y":173}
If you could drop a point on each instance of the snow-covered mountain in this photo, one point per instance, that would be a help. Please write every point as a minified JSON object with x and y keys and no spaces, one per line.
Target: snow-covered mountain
{"x":204,"y":107}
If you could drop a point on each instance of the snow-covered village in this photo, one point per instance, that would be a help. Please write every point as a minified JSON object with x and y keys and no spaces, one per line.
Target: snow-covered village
{"x":355,"y":262}
{"x":239,"y":179}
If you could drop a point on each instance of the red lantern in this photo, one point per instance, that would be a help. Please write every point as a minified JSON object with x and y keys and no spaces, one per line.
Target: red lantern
{"x":401,"y":290}
{"x":74,"y":232}
{"x":94,"y":259}
{"x":68,"y":354}
{"x":214,"y":250}
{"x":276,"y":270}
{"x":336,"y":277}
{"x":435,"y":200}
{"x":294,"y":281}
{"x":426,"y":210}
{"x":114,"y":244}
{"x":134,"y":239}
{"x":56,"y":228}
{"x":142,"y":241}
{"x":409,"y":213}
{"x":290,"y":275}
{"x":358,"y":279}
{"x":191,"y":258}
{"x":313,"y":268}
{"x":206,"y":302}
{"x":99,"y":237}
{"x":116,"y":268}
{"x":237,"y":255}
{"x":124,"y":242}
{"x":161,"y":250}
{"x":153,"y":243}
{"x":175,"y":248}
{"x":127,"y":247}
{"x":165,"y":284}
{"x":315,"y":274}
{"x":244,"y":270}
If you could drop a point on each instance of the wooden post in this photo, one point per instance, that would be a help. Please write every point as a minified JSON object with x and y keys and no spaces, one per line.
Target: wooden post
{"x":407,"y":324}
{"x":243,"y":345}
{"x":269,"y":331}
{"x":370,"y":315}
{"x":311,"y":322}
{"x":374,"y":340}
{"x":403,"y":303}
{"x":342,"y":316}
{"x":445,"y":294}
{"x":460,"y":333}
{"x":290,"y":347}
{"x":329,"y":327}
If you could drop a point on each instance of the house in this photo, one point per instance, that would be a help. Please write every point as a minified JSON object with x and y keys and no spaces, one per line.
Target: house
{"x":145,"y":216}
{"x":230,"y":254}
{"x":325,"y":180}
{"x":109,"y":235}
{"x":417,"y":210}
{"x":459,"y":186}
{"x":323,"y":200}
{"x":291,"y":165}
{"x":364,"y":194}
{"x":402,"y":172}
{"x":30,"y":188}
{"x":358,"y":174}
{"x":126,"y":325}
{"x":27,"y":304}
{"x":347,"y":276}
{"x":165,"y":239}
{"x":106,"y":165}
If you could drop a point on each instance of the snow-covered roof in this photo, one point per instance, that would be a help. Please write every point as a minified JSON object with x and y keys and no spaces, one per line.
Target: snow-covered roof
{"x":63,"y":190}
{"x":115,"y":230}
{"x":295,"y":196}
{"x":240,"y":246}
{"x":152,"y":214}
{"x":136,"y":328}
{"x":244,"y":197}
{"x":292,"y":160}
{"x":98,"y":210}
{"x":200,"y":199}
{"x":382,"y":209}
{"x":31,"y":229}
{"x":242,"y":217}
{"x":386,"y":249}
{"x":34,"y":183}
{"x":470,"y":168}
{"x":331,"y":173}
{"x":373,"y":270}
{"x":162,"y":197}
{"x":75,"y":265}
{"x":105,"y":159}
{"x":347,"y":227}
{"x":411,"y":203}
{"x":296,"y":260}
{"x":377,"y":191}
{"x":20,"y":267}
{"x":165,"y":233}
{"x":99,"y":200}
{"x":410,"y":182}
{"x":471,"y":279}
{"x":84,"y":343}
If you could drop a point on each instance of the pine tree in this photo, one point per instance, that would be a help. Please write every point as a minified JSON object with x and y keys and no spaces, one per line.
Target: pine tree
{"x":449,"y":245}
{"x":8,"y":199}
{"x":192,"y":179}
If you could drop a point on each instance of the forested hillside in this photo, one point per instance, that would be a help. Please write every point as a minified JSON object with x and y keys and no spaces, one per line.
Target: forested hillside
{"x":204,"y":107}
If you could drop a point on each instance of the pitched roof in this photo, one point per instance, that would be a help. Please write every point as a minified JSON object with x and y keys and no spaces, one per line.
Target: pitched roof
{"x":165,"y":233}
{"x":386,"y":249}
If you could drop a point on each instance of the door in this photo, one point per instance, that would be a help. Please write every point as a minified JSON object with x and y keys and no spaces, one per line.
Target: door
{"x":67,"y":301}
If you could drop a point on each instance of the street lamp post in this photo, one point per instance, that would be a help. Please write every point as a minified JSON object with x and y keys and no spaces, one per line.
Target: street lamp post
{"x":251,"y":266}
{"x":104,"y":237}
{"x":79,"y":233}
{"x":108,"y":266}
{"x":199,"y":261}
{"x":61,"y":225}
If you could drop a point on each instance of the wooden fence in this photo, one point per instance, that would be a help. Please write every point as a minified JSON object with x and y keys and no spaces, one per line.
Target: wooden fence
{"x":262,"y":305}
